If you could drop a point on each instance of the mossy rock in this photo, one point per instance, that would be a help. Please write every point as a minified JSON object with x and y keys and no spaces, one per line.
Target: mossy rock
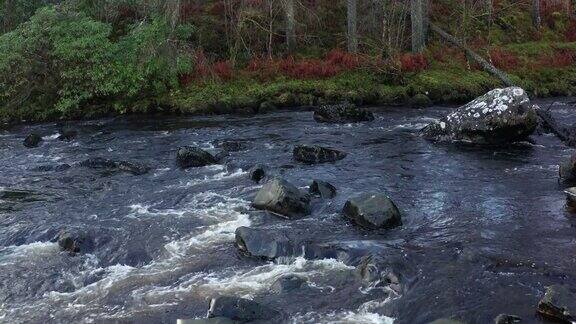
{"x":420,"y":100}
{"x":286,"y":99}
{"x":267,"y":107}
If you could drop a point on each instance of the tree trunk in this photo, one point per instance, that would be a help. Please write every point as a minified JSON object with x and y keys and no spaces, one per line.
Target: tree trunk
{"x":566,"y":133}
{"x":487,"y":66}
{"x":352,"y":32}
{"x":172,"y":12}
{"x":536,"y":19}
{"x":419,"y":22}
{"x":8,"y":15}
{"x":489,"y":10}
{"x":290,"y":25}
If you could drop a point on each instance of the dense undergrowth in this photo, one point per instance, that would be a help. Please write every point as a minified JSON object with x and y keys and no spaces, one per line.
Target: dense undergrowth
{"x":65,"y":61}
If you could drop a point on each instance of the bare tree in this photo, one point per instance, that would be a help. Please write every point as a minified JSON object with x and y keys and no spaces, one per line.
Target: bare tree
{"x":536,"y":18}
{"x":419,"y":21}
{"x":172,"y":12}
{"x":352,"y":31}
{"x":394,"y":20}
{"x":290,"y":25}
{"x":489,"y":10}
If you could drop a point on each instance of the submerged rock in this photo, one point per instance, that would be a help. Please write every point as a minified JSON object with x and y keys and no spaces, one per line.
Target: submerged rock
{"x":266,"y":244}
{"x":571,"y":195}
{"x":374,"y":271}
{"x":213,"y":320}
{"x":446,"y":321}
{"x":317,"y":154}
{"x":499,"y":116}
{"x":74,"y":242}
{"x":257,"y":173}
{"x":372,"y":211}
{"x":282,"y":198}
{"x":240,"y":309}
{"x":67,"y":134}
{"x":32,"y":140}
{"x":56,"y":168}
{"x":130,"y":167}
{"x":567,"y":171}
{"x":193,"y":157}
{"x":507,"y":319}
{"x":322,"y":189}
{"x":287,"y":283}
{"x":231,"y":146}
{"x":343,"y":113}
{"x":559,"y":303}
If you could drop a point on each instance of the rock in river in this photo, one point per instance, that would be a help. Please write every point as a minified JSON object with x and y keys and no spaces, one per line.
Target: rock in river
{"x":568,"y":169}
{"x":74,"y":242}
{"x":257,"y":173}
{"x":193,"y":157}
{"x":571,"y":195}
{"x":111,"y":165}
{"x":559,"y":303}
{"x":375,"y":271}
{"x":507,"y":319}
{"x":343,"y":113}
{"x":499,"y":116}
{"x":67,"y":134}
{"x":265,"y":244}
{"x":282,"y":198}
{"x":317,"y":154}
{"x":287,"y":283}
{"x":372,"y":211}
{"x":32,"y":140}
{"x":240,"y":309}
{"x":322,"y":189}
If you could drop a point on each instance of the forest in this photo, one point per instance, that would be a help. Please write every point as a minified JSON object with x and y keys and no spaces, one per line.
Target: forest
{"x":86,"y":58}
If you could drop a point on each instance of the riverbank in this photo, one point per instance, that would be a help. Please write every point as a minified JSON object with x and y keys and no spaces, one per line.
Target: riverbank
{"x":440,"y":76}
{"x":544,"y":69}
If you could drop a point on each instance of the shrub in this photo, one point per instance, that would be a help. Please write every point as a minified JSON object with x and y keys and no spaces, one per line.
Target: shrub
{"x":503,"y":59}
{"x":570,"y":32}
{"x":223,"y":70}
{"x":413,"y":62}
{"x":62,"y":59}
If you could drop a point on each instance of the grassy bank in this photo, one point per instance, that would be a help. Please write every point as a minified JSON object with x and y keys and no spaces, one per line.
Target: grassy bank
{"x":544,"y":69}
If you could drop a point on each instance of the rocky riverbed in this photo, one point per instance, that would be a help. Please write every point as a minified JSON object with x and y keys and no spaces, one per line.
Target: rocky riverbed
{"x":114,"y":221}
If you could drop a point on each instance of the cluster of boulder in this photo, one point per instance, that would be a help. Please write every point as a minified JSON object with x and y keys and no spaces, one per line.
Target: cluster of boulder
{"x":343,"y":113}
{"x":558,"y":305}
{"x":281,"y":198}
{"x":64,"y":134}
{"x":500,"y":116}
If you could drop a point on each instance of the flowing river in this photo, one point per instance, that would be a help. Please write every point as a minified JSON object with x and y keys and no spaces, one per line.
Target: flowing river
{"x":485,"y":229}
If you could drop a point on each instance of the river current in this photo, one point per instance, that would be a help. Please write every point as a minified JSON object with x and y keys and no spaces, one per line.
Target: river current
{"x":485,"y":228}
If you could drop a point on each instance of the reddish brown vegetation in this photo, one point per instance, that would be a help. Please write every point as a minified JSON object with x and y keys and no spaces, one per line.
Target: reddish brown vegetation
{"x":570,"y":33}
{"x":503,"y":59}
{"x":334,"y":63}
{"x":413,"y":62}
{"x":561,"y":58}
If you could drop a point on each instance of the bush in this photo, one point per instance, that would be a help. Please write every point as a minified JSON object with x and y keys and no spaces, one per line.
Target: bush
{"x":61,"y":60}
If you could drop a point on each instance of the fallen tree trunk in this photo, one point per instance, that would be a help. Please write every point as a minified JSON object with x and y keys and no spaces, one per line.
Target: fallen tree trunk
{"x":487,"y":66}
{"x":567,"y":134}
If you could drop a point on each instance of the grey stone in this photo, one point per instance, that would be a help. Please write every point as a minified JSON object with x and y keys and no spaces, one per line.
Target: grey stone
{"x":372,"y":211}
{"x":282,"y":198}
{"x":498,"y":117}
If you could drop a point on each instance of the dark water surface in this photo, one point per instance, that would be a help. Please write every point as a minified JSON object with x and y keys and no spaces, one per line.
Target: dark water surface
{"x":485,"y":229}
